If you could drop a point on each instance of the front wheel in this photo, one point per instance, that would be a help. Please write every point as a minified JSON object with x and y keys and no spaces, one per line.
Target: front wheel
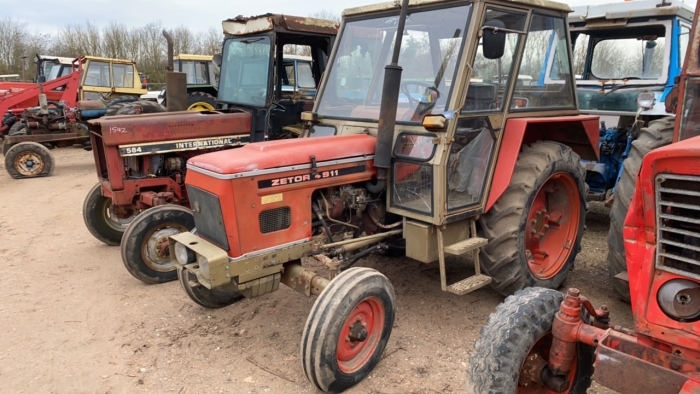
{"x":513,"y":348}
{"x":145,"y":248}
{"x":203,"y":296}
{"x":535,"y":227}
{"x":28,"y":160}
{"x":105,"y":221}
{"x":347,"y":329}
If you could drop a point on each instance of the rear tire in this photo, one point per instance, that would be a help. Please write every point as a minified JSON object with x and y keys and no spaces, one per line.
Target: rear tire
{"x":347,"y":329}
{"x":98,"y":216}
{"x":145,"y":251}
{"x":146,"y":107}
{"x":547,"y":189}
{"x":518,"y":329}
{"x":116,"y":104}
{"x":28,"y":160}
{"x":201,"y":101}
{"x":658,"y":133}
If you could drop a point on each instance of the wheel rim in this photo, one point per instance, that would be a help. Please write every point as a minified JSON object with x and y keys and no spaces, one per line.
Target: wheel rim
{"x":155,"y":248}
{"x":29,"y":164}
{"x":117,"y":217}
{"x":360,"y":335}
{"x":552,"y":226}
{"x":536,"y":359}
{"x":200,"y":106}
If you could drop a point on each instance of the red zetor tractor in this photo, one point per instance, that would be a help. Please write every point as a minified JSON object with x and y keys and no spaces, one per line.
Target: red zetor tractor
{"x":540,"y":340}
{"x":437,"y":158}
{"x":140,"y":159}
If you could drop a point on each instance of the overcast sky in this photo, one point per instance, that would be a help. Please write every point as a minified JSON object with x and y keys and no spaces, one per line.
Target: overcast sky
{"x":47,"y":16}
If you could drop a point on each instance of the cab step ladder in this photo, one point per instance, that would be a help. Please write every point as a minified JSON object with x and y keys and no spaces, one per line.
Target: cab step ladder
{"x":471,"y":244}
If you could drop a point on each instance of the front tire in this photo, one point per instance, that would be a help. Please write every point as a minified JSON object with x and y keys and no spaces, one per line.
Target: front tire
{"x":101,"y":219}
{"x":203,"y":296}
{"x":145,"y":250}
{"x":347,"y":329}
{"x":518,"y":333}
{"x":659,"y":133}
{"x":201,"y":101}
{"x":28,"y":160}
{"x":535,"y":227}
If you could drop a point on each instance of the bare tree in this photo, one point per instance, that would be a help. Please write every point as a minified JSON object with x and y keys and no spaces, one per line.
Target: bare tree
{"x":12,"y":36}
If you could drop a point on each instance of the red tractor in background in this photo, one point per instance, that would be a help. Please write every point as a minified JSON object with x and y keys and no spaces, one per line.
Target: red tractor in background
{"x":430,"y":159}
{"x":540,"y":340}
{"x":140,"y":198}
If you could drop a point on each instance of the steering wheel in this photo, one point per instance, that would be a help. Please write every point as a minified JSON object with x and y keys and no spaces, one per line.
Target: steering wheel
{"x":411,"y":100}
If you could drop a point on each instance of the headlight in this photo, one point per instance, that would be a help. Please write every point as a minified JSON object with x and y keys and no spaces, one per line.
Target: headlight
{"x":645,"y":100}
{"x":204,"y":266}
{"x":183,"y":255}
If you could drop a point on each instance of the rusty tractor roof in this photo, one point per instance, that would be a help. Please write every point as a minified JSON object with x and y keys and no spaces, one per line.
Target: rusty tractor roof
{"x":632,"y":9}
{"x":389,"y":5}
{"x":241,"y":26}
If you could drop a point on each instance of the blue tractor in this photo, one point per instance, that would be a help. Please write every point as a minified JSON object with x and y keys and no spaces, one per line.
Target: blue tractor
{"x":627,"y":57}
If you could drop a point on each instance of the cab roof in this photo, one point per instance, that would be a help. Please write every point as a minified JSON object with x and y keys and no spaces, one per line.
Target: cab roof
{"x":631,"y":9}
{"x":547,"y":4}
{"x":242,"y":26}
{"x":184,"y":56}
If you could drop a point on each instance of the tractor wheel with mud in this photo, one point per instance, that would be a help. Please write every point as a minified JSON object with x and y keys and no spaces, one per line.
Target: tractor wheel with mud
{"x":117,"y":103}
{"x":105,"y":221}
{"x":145,"y":249}
{"x":659,"y":133}
{"x":28,"y":160}
{"x":204,"y":296}
{"x":347,"y":329}
{"x":141,"y":107}
{"x":200,"y":101}
{"x":535,"y":227}
{"x":511,"y":353}
{"x":18,"y":128}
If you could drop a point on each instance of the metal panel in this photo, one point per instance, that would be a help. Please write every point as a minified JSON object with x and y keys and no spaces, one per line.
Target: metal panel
{"x":208,"y":218}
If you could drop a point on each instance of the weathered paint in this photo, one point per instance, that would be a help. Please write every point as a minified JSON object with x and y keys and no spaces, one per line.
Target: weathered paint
{"x":630,"y":9}
{"x":280,"y":23}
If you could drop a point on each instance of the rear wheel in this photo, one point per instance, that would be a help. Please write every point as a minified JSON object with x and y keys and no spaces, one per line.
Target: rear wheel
{"x":513,"y":348}
{"x":535,"y":227}
{"x":140,"y":107}
{"x":659,"y":133}
{"x":145,"y":249}
{"x":347,"y":329}
{"x":28,"y":160}
{"x":117,"y":103}
{"x":106,"y":221}
{"x":204,"y":296}
{"x":201,"y":101}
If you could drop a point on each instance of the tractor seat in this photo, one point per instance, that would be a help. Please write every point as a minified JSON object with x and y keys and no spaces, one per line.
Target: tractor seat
{"x":480,"y":97}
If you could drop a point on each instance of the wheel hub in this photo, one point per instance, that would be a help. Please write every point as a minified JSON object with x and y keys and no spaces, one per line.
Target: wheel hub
{"x":360,"y":335}
{"x":156,"y":252}
{"x":358,"y":332}
{"x":29,"y":164}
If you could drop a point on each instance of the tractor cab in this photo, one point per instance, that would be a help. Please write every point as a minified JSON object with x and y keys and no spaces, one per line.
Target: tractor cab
{"x":52,"y":67}
{"x":470,"y":71}
{"x":252,"y":78}
{"x":105,"y":79}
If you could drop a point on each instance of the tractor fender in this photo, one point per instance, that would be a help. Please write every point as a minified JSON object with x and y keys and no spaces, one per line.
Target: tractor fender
{"x":580,"y":132}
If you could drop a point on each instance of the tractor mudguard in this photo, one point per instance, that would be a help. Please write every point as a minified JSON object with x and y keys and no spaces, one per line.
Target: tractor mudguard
{"x":580,"y":132}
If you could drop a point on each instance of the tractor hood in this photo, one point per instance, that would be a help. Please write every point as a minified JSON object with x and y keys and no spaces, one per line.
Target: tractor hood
{"x":285,"y":153}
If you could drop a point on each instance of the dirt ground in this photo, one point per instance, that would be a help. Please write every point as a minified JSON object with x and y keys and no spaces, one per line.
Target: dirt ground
{"x":73,"y":320}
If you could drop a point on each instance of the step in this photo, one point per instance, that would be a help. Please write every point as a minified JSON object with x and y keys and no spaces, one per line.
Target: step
{"x":465,"y":246}
{"x":468,"y":285}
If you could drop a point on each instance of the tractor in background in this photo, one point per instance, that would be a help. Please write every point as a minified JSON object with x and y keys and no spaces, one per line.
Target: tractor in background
{"x":408,"y":150}
{"x":202,"y":81}
{"x":52,"y":114}
{"x":541,"y":340}
{"x":140,"y":198}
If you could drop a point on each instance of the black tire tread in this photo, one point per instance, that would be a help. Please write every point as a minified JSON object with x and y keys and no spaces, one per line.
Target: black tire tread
{"x":502,"y":224}
{"x":657,"y":134}
{"x":107,"y":234}
{"x":10,"y":154}
{"x":507,"y":337}
{"x":195,"y":97}
{"x":147,"y":107}
{"x":117,"y":103}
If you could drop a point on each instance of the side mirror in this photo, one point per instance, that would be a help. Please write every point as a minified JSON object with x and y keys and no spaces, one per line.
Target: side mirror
{"x":494,"y":39}
{"x":41,"y":79}
{"x":217,"y":60}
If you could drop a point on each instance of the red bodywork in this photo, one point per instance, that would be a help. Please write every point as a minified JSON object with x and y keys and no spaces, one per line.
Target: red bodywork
{"x":661,"y":355}
{"x":287,"y":178}
{"x":111,"y":136}
{"x":23,"y":95}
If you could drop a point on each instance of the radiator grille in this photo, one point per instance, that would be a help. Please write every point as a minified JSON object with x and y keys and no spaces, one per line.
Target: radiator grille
{"x":208,"y":218}
{"x":275,"y":219}
{"x":678,"y":224}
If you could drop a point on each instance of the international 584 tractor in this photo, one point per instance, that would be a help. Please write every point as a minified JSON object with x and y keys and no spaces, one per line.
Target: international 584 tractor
{"x":540,"y":340}
{"x":423,"y":158}
{"x":140,"y":160}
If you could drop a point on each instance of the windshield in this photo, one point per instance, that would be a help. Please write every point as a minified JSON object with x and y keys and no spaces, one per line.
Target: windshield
{"x":245,"y":69}
{"x":429,"y":51}
{"x":635,"y":53}
{"x":196,"y":71}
